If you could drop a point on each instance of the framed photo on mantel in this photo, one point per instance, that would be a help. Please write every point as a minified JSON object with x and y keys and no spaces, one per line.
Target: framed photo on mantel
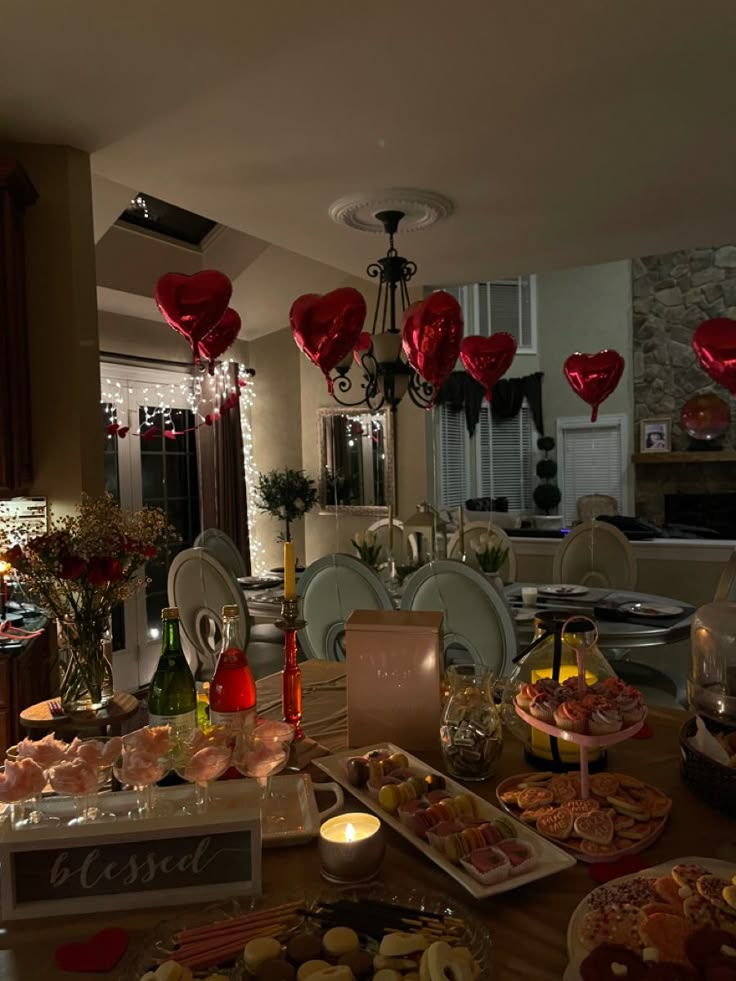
{"x":655,"y":435}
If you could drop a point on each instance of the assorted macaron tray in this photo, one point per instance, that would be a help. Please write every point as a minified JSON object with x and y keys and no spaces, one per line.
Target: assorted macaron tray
{"x":355,"y":934}
{"x":672,"y":922}
{"x":469,"y":838}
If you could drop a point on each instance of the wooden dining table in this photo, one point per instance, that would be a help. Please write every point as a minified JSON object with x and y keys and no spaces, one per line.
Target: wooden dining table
{"x":527,"y":926}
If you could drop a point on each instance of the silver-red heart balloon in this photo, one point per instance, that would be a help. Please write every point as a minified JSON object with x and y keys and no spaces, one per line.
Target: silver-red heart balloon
{"x":194,"y":304}
{"x":219,"y":339}
{"x":714,"y":342}
{"x":594,"y":376}
{"x":488,"y":358}
{"x":326,"y":328}
{"x":432,"y":335}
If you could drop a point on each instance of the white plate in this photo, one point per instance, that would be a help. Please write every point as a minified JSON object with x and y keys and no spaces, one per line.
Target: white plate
{"x":562,"y":590}
{"x":651,"y":609}
{"x":575,"y":950}
{"x":551,"y":858}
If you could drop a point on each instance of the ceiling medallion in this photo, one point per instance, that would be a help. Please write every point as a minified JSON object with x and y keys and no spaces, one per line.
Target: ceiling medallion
{"x":420,"y":209}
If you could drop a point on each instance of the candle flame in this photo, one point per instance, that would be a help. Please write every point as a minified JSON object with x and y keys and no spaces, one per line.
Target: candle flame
{"x":350,"y":833}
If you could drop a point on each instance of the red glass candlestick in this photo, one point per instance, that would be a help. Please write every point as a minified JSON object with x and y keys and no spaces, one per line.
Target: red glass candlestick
{"x":291,"y":676}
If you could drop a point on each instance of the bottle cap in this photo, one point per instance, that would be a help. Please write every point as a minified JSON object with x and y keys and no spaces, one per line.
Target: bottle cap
{"x":170,"y":613}
{"x":230,"y":611}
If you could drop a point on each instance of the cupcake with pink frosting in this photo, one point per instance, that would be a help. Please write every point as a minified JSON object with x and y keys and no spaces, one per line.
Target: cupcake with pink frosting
{"x":631,"y":705}
{"x":572,"y":717}
{"x":604,"y":720}
{"x":525,"y":695}
{"x":542,"y":707}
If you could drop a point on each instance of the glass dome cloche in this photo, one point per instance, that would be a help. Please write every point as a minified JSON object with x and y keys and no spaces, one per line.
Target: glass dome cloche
{"x":712,"y":685}
{"x":558,"y":636}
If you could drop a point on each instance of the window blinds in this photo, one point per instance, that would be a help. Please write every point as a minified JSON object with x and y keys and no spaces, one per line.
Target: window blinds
{"x":452,"y":457}
{"x":592,"y":458}
{"x":498,"y":305}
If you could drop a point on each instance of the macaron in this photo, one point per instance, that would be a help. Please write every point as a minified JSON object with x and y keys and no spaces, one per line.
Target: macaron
{"x":304,"y":947}
{"x":259,"y":950}
{"x":339,"y":941}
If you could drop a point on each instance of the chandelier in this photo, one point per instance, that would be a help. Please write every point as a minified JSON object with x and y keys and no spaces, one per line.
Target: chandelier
{"x":386,"y":376}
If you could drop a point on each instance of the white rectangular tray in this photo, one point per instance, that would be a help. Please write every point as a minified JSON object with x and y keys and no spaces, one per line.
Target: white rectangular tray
{"x":551,"y":858}
{"x":295,"y":795}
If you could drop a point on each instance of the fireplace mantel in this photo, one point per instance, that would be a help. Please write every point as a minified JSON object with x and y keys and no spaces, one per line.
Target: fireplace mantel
{"x":706,"y":456}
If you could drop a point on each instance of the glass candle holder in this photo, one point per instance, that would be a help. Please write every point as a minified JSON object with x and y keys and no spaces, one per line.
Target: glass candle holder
{"x":351,"y":848}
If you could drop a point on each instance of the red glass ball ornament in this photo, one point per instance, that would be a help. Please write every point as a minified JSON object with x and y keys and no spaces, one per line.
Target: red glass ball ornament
{"x":705,"y":416}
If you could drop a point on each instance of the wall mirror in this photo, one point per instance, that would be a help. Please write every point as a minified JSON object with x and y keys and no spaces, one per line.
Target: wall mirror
{"x":356,"y":471}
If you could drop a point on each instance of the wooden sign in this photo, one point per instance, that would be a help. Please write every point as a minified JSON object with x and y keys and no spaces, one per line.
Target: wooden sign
{"x":122,"y":866}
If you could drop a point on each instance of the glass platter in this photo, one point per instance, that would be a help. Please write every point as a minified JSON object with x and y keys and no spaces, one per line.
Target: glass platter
{"x":143,"y":955}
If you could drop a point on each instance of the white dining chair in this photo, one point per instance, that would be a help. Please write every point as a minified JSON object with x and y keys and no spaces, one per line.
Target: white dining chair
{"x":224,"y":550}
{"x":380,"y":529}
{"x":726,"y":588}
{"x":331,"y":588}
{"x":595,"y":554}
{"x":199,"y":586}
{"x":471,"y":535}
{"x":477,"y":621}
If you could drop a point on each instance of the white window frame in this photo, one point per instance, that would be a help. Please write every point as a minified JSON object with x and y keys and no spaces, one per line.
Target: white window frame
{"x":468,"y":298}
{"x":621,"y":421}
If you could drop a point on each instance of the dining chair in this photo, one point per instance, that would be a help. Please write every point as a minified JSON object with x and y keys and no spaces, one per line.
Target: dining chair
{"x":595,"y":554}
{"x":471,"y":536}
{"x":199,"y":586}
{"x":331,"y":588}
{"x":224,"y":550}
{"x":380,"y":529}
{"x":591,"y":506}
{"x":477,"y":621}
{"x":726,"y":588}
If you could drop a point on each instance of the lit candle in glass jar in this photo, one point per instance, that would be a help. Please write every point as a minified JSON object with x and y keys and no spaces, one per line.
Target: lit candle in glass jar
{"x":351,"y":847}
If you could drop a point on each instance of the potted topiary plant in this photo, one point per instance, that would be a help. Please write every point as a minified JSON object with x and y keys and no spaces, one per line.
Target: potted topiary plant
{"x":287,"y":495}
{"x":547,"y":495}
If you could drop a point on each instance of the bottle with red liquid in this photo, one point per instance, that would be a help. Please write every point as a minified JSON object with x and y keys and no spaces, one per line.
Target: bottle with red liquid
{"x":232,"y":689}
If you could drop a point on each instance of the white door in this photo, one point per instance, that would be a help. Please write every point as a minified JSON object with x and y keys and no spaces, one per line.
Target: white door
{"x":156,"y":471}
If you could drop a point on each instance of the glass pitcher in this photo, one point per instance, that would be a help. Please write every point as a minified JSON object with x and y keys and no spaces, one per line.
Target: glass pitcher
{"x":470,"y":731}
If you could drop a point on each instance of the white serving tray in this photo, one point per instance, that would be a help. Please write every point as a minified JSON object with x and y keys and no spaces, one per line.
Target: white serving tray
{"x":295,"y":794}
{"x":577,"y":953}
{"x":551,"y":858}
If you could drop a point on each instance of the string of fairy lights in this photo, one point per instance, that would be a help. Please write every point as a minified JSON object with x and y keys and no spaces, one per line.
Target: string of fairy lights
{"x":158,"y":402}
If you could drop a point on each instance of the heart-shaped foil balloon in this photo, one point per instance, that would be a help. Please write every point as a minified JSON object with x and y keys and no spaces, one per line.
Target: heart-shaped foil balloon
{"x":432,"y":335}
{"x":714,"y":342}
{"x":488,"y":358}
{"x":326,"y":328}
{"x":365,"y":343}
{"x":594,"y":376}
{"x":194,"y":304}
{"x":219,"y":339}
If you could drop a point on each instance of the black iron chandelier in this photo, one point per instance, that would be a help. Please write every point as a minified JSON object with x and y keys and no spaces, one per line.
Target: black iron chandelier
{"x":386,"y":374}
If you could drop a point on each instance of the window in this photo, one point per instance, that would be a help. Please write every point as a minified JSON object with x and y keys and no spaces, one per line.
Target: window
{"x":501,"y":305}
{"x":498,"y":461}
{"x":148,"y":212}
{"x":592,"y":460}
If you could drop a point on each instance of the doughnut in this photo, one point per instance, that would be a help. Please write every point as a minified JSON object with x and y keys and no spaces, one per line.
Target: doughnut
{"x":304,"y":947}
{"x":402,"y":944}
{"x":441,"y":962}
{"x":339,"y":941}
{"x":309,"y":968}
{"x":259,"y":950}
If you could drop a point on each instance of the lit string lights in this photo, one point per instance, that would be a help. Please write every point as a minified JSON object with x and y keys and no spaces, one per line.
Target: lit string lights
{"x":206,"y":405}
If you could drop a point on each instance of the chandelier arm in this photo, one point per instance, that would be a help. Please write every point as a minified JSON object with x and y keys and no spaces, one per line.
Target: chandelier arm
{"x":420,"y":392}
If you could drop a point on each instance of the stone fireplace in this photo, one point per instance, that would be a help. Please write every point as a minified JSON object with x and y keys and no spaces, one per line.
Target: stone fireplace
{"x":662,"y":477}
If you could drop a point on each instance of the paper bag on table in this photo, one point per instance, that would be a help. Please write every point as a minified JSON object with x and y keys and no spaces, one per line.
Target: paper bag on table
{"x":707,"y":744}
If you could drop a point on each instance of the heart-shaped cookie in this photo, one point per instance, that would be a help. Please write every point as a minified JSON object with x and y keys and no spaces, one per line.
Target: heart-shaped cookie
{"x":534,"y":797}
{"x":595,"y":826}
{"x":558,"y":824}
{"x":582,"y":806}
{"x":98,"y":954}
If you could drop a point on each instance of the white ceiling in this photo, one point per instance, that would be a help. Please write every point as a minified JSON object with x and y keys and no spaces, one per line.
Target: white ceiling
{"x":566,"y":132}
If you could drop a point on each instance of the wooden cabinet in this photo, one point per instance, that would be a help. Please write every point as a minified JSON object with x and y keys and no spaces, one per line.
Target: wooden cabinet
{"x":28,"y":674}
{"x":16,"y":463}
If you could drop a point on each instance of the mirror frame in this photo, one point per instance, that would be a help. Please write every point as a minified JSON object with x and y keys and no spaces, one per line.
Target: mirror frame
{"x":389,"y":463}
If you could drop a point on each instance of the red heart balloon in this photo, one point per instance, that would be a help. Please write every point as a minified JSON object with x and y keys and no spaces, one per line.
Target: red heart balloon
{"x":326,"y":328}
{"x":714,"y":342}
{"x":432,"y":334}
{"x":487,"y":358}
{"x":193,"y":305}
{"x":219,"y":339}
{"x":365,"y":343}
{"x":594,"y":376}
{"x":98,"y":954}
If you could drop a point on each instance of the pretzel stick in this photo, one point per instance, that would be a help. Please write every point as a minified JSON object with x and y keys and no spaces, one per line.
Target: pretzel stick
{"x":246,"y":919}
{"x":230,"y":937}
{"x":215,"y":955}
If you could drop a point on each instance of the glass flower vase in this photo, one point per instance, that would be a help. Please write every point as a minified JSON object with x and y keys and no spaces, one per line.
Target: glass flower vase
{"x":86,"y":670}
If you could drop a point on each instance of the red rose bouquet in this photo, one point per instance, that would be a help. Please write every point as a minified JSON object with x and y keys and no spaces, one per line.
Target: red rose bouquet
{"x":77,"y":572}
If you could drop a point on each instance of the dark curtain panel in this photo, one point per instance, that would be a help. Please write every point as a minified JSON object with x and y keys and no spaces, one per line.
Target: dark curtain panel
{"x":222,"y":493}
{"x":461,"y":393}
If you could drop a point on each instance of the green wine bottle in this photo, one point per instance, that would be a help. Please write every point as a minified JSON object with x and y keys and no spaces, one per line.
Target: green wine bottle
{"x":172,"y":694}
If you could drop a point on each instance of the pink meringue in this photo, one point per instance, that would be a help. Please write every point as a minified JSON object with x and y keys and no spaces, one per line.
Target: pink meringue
{"x":21,"y":780}
{"x":73,"y":778}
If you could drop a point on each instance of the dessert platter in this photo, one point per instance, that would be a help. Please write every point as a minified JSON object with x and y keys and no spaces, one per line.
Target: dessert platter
{"x":474,"y":842}
{"x":675,"y":921}
{"x":325,"y":934}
